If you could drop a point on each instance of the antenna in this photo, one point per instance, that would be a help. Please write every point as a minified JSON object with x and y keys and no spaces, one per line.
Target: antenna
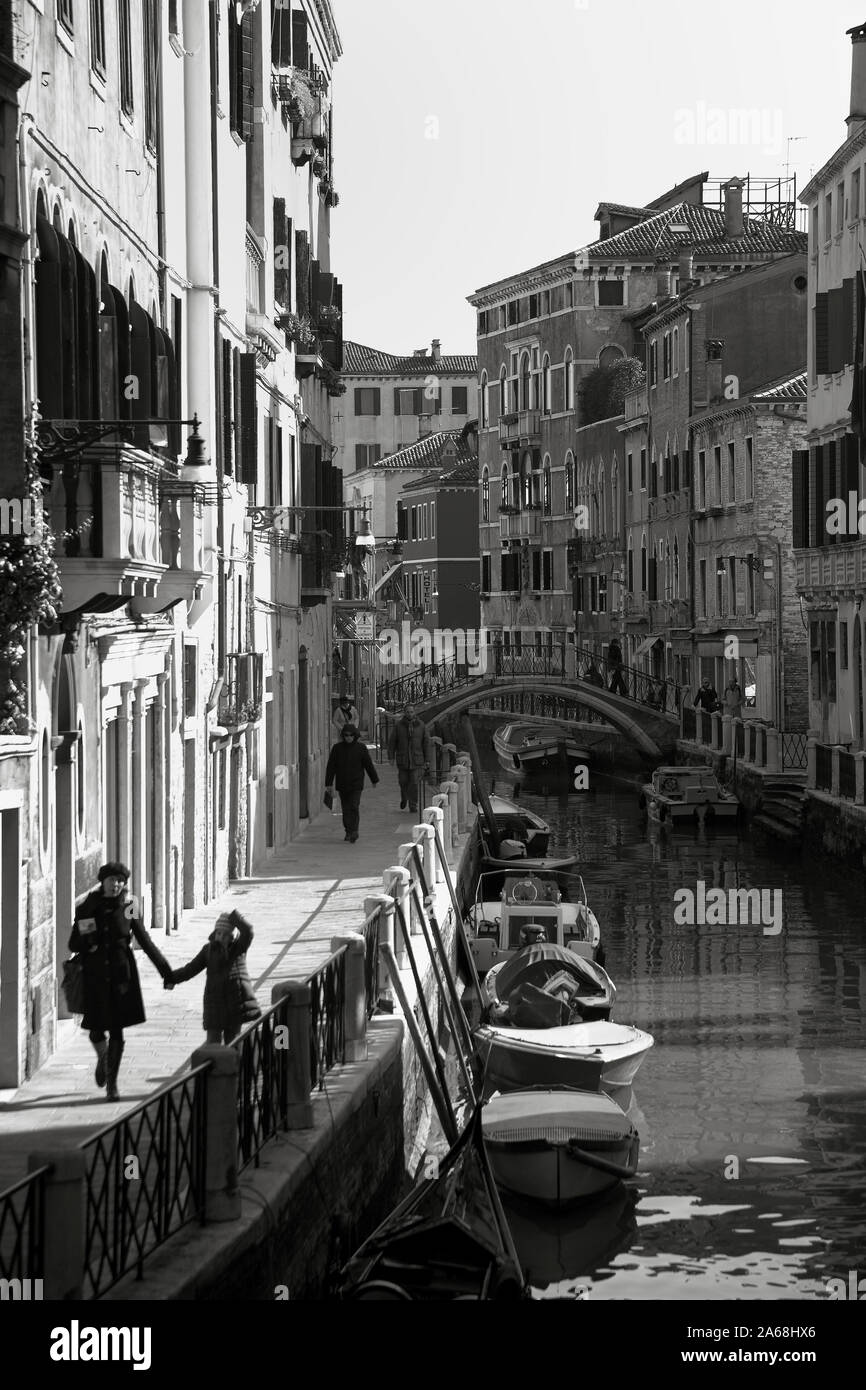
{"x":792,"y":139}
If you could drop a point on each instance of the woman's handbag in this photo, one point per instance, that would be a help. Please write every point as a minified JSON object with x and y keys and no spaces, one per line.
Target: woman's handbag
{"x":328,"y":798}
{"x":73,"y":985}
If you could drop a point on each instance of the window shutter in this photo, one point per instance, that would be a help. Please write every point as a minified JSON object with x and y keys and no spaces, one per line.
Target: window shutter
{"x":300,"y":43}
{"x":800,"y":499}
{"x":282,"y":255}
{"x":377,"y":401}
{"x":141,"y":367}
{"x":302,"y":273}
{"x":652,"y":564}
{"x":248,"y":420}
{"x":848,"y":328}
{"x":397,"y":410}
{"x":227,"y":404}
{"x":821,"y":335}
{"x":281,"y":35}
{"x":836,"y":334}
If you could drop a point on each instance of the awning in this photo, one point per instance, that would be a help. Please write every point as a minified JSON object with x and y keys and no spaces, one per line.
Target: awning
{"x":645,"y":645}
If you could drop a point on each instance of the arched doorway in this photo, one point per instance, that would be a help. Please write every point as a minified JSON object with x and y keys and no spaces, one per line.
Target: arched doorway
{"x":303,"y":735}
{"x":858,"y":679}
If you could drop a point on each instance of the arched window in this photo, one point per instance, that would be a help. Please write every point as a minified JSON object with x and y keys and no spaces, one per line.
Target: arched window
{"x":526,"y":476}
{"x":504,"y":499}
{"x":593,"y":504}
{"x":485,"y":495}
{"x":545,"y":385}
{"x":484,"y":401}
{"x":569,"y":482}
{"x":503,"y":392}
{"x":525,"y":383}
{"x":643,"y":574}
{"x":569,"y":379}
{"x":614,"y":498}
{"x":609,"y":356}
{"x":676,"y":592}
{"x":676,"y":352}
{"x":602,"y":503}
{"x":546,"y":494}
{"x":630,"y":570}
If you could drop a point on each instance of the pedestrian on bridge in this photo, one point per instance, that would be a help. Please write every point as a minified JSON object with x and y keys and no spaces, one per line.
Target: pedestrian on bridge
{"x":229,"y":997}
{"x":614,"y":661}
{"x":348,"y":761}
{"x":410,"y":745}
{"x":106,"y":922}
{"x":593,"y":675}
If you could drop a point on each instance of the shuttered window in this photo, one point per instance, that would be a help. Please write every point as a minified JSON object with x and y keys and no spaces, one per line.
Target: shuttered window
{"x":836,"y":331}
{"x":848,"y":326}
{"x":240,"y":33}
{"x":281,"y":34}
{"x":151,"y":73}
{"x":227,"y":409}
{"x":367,"y":400}
{"x":124,"y":32}
{"x":821,"y":335}
{"x":800,"y":498}
{"x":300,"y":40}
{"x":282,"y":255}
{"x":97,"y":36}
{"x":302,"y":274}
{"x":249,"y":420}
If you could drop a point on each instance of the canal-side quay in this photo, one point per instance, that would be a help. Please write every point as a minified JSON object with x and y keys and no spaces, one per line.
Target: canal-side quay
{"x":254,"y":1171}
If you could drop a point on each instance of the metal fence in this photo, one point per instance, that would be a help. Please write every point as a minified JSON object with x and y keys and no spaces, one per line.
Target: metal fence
{"x":327,"y":1017}
{"x":823,"y":768}
{"x":22,"y":1228}
{"x":689,"y":722}
{"x":658,"y":692}
{"x":144,"y":1180}
{"x":372,"y":937}
{"x":792,"y":751}
{"x":847,"y":776}
{"x":262,"y":1100}
{"x":739,"y":738}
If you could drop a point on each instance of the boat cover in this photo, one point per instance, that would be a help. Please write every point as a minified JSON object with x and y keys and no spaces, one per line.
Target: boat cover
{"x":556,"y":1115}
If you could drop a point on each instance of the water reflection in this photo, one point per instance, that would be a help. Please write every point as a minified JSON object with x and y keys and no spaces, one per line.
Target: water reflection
{"x":753,"y":1102}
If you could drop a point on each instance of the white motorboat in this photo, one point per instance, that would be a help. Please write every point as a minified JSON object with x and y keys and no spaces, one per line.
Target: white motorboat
{"x":515,"y":822}
{"x":558,"y":1146}
{"x":543,"y":984}
{"x":510,"y":901}
{"x":687,"y":794}
{"x":530,"y":750}
{"x":586,"y":1056}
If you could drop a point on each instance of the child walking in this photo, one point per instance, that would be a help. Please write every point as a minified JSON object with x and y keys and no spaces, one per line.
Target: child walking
{"x":229,"y":1001}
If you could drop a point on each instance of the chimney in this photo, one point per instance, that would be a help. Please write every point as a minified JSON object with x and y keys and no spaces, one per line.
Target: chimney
{"x":663,"y":283}
{"x":857,"y":112}
{"x":436,"y":353}
{"x":687,"y":268}
{"x":420,"y":352}
{"x":734,"y":226}
{"x":714,"y":370}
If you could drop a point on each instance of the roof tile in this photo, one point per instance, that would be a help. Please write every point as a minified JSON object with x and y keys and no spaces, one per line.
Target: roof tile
{"x":359,"y":360}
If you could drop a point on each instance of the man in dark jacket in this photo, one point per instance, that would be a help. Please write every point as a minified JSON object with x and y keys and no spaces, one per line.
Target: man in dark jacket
{"x":105,"y":923}
{"x":614,"y":662}
{"x":707,"y":698}
{"x":348,"y":761}
{"x":410,"y":745}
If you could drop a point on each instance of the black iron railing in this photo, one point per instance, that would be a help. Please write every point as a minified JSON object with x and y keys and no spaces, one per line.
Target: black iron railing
{"x":372,"y":930}
{"x":792,"y":748}
{"x":689,"y":722}
{"x":658,"y":692}
{"x":424,"y":684}
{"x":739,"y":739}
{"x":22,"y":1228}
{"x":704,"y":725}
{"x":264,"y":1050}
{"x":327,"y":1018}
{"x":847,"y":776}
{"x":823,"y":768}
{"x":145,"y":1179}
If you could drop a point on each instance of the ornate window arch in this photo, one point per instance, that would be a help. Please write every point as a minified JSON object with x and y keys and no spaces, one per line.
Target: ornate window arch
{"x":569,"y":482}
{"x":643,"y":562}
{"x":485,"y":494}
{"x":545,"y":385}
{"x":484,"y":402}
{"x":503,"y":390}
{"x":504,"y":478}
{"x":569,"y":379}
{"x":546,"y":487}
{"x":525,"y":383}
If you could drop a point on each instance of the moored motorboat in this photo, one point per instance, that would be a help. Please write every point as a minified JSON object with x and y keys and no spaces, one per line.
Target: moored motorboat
{"x":687,"y":795}
{"x":558,"y":1146}
{"x":543,"y":984}
{"x":587,"y":1056}
{"x":449,"y":1239}
{"x":529,"y":750}
{"x":509,"y":899}
{"x":518,"y":823}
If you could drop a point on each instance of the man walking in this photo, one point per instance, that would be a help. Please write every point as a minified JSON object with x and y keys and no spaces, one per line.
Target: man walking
{"x":349,"y":760}
{"x":410,"y":745}
{"x":614,"y":661}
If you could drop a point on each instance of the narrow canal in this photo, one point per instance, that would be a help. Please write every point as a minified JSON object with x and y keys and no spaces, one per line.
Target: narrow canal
{"x":751,"y":1106}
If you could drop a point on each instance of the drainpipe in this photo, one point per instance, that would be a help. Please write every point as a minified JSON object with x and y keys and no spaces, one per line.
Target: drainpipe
{"x":25,"y":125}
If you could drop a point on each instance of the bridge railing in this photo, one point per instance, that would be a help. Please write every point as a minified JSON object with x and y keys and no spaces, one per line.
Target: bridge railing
{"x":659,"y":693}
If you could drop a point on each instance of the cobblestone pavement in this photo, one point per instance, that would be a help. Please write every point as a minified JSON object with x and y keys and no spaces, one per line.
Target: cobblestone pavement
{"x":296,"y":903}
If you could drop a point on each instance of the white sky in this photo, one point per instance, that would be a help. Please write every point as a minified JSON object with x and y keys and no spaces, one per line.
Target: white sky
{"x":544,"y":109}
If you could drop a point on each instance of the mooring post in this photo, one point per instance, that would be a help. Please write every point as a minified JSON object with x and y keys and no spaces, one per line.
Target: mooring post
{"x":222,"y":1198}
{"x":462,"y":776}
{"x":443,"y":801}
{"x":811,"y":763}
{"x":396,"y":881}
{"x":424,"y":836}
{"x":771,"y":761}
{"x":450,"y":788}
{"x":435,"y":816}
{"x":65,"y":1223}
{"x":355,"y":1000}
{"x":451,"y":750}
{"x":299,"y":1111}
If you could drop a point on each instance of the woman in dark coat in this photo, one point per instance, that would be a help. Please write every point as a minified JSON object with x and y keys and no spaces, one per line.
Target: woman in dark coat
{"x":349,"y":760}
{"x":105,"y":923}
{"x":229,"y":1000}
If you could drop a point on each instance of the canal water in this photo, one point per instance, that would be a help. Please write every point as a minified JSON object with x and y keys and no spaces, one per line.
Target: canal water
{"x":751,"y":1106}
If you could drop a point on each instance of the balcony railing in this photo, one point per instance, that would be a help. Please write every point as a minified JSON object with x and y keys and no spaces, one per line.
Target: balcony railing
{"x":127,"y":527}
{"x":832,"y":567}
{"x":519,"y":526}
{"x":520,"y":427}
{"x":241,"y":696}
{"x":255,"y":271}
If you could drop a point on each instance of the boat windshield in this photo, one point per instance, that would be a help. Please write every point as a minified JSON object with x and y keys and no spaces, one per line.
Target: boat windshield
{"x":548,"y":887}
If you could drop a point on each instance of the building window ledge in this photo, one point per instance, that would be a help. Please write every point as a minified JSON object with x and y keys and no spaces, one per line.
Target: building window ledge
{"x":64,"y":38}
{"x":97,"y":85}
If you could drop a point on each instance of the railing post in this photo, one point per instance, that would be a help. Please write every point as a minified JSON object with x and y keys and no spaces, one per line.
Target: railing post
{"x":860,"y":778}
{"x":437,"y":752}
{"x":385,"y":904}
{"x":65,"y":1221}
{"x":772,"y":757}
{"x":760,"y":745}
{"x":811,"y":763}
{"x":834,"y":775}
{"x":406,"y":854}
{"x":396,"y":882}
{"x":443,"y":801}
{"x":727,"y":734}
{"x":436,"y":818}
{"x":297,"y":993}
{"x":222,"y":1195}
{"x":461,"y":778}
{"x":450,"y":788}
{"x":424,"y":835}
{"x":450,"y":749}
{"x":355,"y":1001}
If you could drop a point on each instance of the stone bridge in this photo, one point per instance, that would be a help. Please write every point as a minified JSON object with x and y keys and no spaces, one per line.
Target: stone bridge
{"x":443,"y":690}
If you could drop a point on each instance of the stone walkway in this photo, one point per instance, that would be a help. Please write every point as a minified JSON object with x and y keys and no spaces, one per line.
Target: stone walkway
{"x":296,"y":904}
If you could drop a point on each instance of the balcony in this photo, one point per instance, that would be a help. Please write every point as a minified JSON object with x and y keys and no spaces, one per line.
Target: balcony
{"x":520,"y":427}
{"x":128,"y":528}
{"x":832,"y":568}
{"x":240,"y":700}
{"x":519,"y":526}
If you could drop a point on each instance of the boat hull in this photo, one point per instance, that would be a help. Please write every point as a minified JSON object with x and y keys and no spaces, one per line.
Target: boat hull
{"x":538,"y":758}
{"x":584,"y":1056}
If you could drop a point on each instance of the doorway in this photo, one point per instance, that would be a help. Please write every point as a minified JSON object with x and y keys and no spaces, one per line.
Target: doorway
{"x":857,"y":658}
{"x":65,"y":816}
{"x":10,"y":942}
{"x":303,"y":735}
